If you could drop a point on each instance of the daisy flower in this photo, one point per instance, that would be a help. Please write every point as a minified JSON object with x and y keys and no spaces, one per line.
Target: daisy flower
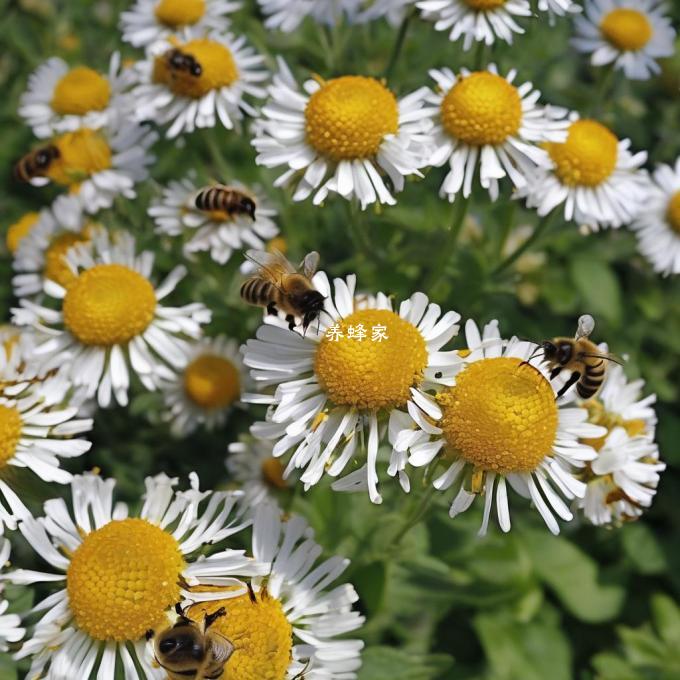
{"x":287,"y":627}
{"x":342,"y":135}
{"x":150,"y":21}
{"x":110,"y":318}
{"x":393,"y":10}
{"x":19,"y":230}
{"x":621,"y":482}
{"x":10,"y":624}
{"x":483,"y":119}
{"x":630,"y":34}
{"x":287,"y":15}
{"x":658,"y":226}
{"x":227,"y":70}
{"x":334,"y":385}
{"x":63,"y":99}
{"x":208,"y":387}
{"x":476,"y":20}
{"x":38,"y":420}
{"x":99,"y":165}
{"x":497,"y":424}
{"x":119,"y":574}
{"x":216,"y":231}
{"x":40,"y":253}
{"x":594,"y":174}
{"x":251,"y":463}
{"x":559,"y":8}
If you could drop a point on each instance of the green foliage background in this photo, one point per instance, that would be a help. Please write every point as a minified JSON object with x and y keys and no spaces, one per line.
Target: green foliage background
{"x":443,"y":603}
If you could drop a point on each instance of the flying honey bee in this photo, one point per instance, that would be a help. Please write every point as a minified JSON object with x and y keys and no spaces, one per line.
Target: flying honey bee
{"x":176,"y":60}
{"x":190,"y":650}
{"x":228,"y":199}
{"x":34,"y":165}
{"x":278,"y":285}
{"x":579,"y":355}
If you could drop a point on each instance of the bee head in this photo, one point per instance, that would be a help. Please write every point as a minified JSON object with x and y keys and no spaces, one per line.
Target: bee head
{"x":195,"y":69}
{"x":248,"y":206}
{"x":549,"y":350}
{"x":43,"y":157}
{"x":181,"y":644}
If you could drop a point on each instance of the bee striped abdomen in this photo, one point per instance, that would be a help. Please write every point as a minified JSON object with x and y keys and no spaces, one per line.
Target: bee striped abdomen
{"x":212,"y":198}
{"x":591,"y":381}
{"x":257,"y":291}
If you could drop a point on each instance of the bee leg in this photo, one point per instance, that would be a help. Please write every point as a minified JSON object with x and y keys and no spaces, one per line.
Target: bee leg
{"x":271,"y":309}
{"x":555,"y":372}
{"x":251,"y":594}
{"x":291,"y":321}
{"x":572,"y":379}
{"x":149,"y":634}
{"x":211,"y":618}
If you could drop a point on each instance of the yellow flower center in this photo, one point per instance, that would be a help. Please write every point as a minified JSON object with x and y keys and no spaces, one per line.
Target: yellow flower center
{"x":81,"y":154}
{"x":482,"y":5}
{"x":10,"y":432}
{"x":21,"y":228}
{"x":626,"y":29}
{"x":277,"y":243}
{"x":588,"y":157}
{"x":218,"y":69}
{"x":368,"y":374}
{"x":81,"y":90}
{"x":500,"y":416}
{"x":598,"y":415}
{"x":123,"y":578}
{"x":108,"y":304}
{"x":260,"y":631}
{"x":672,"y":214}
{"x":348,"y":117}
{"x":272,"y":472}
{"x":56,"y":268}
{"x":175,"y":13}
{"x":212,"y":382}
{"x":481,"y":109}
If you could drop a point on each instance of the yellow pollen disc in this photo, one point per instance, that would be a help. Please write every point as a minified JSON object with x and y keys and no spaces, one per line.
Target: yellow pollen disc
{"x":122,"y":579}
{"x":218,"y":69}
{"x":260,"y":631}
{"x":175,"y":13}
{"x":672,"y":214}
{"x":368,"y":374}
{"x":626,"y":29}
{"x":10,"y":432}
{"x":56,"y":268}
{"x":588,"y":157}
{"x":81,"y":154}
{"x":212,"y":382}
{"x":21,"y":228}
{"x":79,"y":91}
{"x":598,"y":415}
{"x":348,"y":117}
{"x":500,"y":416}
{"x":108,"y":304}
{"x":272,"y":471}
{"x":482,"y":108}
{"x":482,"y":5}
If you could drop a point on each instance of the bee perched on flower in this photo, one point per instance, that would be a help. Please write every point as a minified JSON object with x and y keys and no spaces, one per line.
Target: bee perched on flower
{"x":62,"y":99}
{"x":336,"y":385}
{"x":345,"y":135}
{"x":197,"y":81}
{"x":497,"y":424}
{"x":110,"y":317}
{"x":630,"y":34}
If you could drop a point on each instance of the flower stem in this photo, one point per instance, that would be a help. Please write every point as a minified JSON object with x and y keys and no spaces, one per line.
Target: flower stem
{"x":460,"y":207}
{"x":603,"y":88}
{"x":543,"y":224}
{"x":399,"y":43}
{"x":480,"y":53}
{"x":415,"y":517}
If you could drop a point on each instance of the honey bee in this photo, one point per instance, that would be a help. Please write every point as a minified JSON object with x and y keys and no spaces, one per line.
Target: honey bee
{"x":278,"y":285}
{"x":35,"y":164}
{"x":579,"y":355}
{"x":189,"y":650}
{"x":176,"y":60}
{"x":228,"y":199}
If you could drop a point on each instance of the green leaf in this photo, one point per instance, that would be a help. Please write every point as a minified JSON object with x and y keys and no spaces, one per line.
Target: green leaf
{"x":599,"y":288}
{"x":667,"y":619}
{"x":574,"y":577}
{"x":370,"y":582}
{"x":611,"y":667}
{"x":389,"y":663}
{"x":643,"y":549}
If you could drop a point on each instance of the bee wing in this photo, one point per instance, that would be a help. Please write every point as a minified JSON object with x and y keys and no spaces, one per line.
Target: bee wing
{"x":586,"y":325}
{"x":273,"y":266}
{"x":310,"y":264}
